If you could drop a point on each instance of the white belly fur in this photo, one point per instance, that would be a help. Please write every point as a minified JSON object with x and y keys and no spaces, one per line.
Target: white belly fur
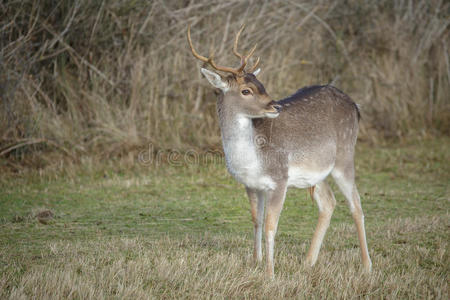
{"x":302,"y":178}
{"x":245,"y":167}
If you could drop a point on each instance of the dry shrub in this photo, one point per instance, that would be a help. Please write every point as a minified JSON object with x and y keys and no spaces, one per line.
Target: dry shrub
{"x":110,"y":77}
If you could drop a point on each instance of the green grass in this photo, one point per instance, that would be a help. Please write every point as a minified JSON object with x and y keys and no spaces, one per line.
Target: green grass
{"x":185,"y":231}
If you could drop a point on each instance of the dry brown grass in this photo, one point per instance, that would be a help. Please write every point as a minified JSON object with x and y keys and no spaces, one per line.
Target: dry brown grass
{"x":221,"y":267}
{"x":107,"y":77}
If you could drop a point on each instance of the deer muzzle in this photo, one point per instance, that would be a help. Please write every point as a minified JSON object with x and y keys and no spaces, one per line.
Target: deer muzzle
{"x":273,"y":110}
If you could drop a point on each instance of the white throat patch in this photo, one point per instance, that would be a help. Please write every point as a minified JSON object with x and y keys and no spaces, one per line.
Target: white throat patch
{"x":242,"y":157}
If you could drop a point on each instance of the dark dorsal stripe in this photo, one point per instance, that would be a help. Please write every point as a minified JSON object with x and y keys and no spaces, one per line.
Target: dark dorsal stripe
{"x":302,"y":93}
{"x":305,"y":92}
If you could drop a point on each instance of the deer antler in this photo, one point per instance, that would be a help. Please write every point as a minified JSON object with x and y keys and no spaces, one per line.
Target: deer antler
{"x":238,"y":71}
{"x":244,"y":58}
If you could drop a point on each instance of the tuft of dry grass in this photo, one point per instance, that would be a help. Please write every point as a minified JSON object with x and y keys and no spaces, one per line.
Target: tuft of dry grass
{"x":107,"y":77}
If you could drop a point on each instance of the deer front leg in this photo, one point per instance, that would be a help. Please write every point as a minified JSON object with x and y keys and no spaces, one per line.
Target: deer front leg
{"x":256,"y":199}
{"x":275,"y":201}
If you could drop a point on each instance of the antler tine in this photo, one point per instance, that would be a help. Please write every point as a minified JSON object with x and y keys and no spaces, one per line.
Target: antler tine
{"x":251,"y":52}
{"x":198,"y":56}
{"x":244,"y":58}
{"x":253,"y":68}
{"x":236,"y":41}
{"x":210,"y":59}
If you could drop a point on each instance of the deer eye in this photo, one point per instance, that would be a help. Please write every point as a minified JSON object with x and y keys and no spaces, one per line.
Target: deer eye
{"x":246,"y":92}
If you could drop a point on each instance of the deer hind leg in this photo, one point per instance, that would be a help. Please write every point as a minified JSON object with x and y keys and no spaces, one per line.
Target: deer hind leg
{"x":345,"y":179}
{"x":326,"y":203}
{"x":275,"y":201}
{"x":256,"y":199}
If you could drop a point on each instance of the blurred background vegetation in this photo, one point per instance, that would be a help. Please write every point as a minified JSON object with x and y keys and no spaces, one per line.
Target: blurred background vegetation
{"x":103,"y":79}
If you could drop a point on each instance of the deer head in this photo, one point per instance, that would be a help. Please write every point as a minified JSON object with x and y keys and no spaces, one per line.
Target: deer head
{"x":241,"y":90}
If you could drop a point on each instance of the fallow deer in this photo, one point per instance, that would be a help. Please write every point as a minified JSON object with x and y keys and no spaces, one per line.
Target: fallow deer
{"x":294,"y":142}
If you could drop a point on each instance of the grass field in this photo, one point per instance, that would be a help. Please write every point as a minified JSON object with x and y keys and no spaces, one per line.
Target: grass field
{"x":185,"y":232}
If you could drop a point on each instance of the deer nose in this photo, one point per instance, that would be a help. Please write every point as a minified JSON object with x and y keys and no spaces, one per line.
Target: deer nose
{"x":275,"y":105}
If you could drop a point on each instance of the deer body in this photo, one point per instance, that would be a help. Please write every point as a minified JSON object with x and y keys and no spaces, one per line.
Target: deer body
{"x":297,"y":142}
{"x":260,"y":152}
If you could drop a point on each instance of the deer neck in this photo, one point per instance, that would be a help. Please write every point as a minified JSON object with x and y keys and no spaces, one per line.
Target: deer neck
{"x":237,"y":134}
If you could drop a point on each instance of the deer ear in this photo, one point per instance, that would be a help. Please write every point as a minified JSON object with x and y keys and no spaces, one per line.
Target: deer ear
{"x":257,"y":71}
{"x":216,"y":80}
